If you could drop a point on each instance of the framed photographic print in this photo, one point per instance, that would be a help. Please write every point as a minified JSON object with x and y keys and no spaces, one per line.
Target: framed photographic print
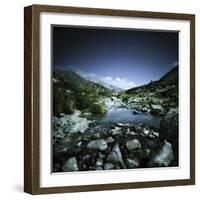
{"x":109,"y":99}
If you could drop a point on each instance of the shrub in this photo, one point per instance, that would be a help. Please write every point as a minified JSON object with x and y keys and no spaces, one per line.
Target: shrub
{"x":98,"y":108}
{"x":125,"y":97}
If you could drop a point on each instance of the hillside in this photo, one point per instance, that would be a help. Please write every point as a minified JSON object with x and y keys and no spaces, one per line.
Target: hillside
{"x":71,"y":91}
{"x":156,"y":97}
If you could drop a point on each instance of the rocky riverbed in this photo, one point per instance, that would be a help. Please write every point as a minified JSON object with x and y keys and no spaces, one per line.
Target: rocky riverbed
{"x":82,"y":144}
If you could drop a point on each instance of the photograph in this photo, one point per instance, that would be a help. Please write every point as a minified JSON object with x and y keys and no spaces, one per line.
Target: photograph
{"x":115,"y":99}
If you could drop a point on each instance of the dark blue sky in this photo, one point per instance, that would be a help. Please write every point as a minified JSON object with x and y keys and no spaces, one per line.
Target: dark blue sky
{"x":132,"y":55}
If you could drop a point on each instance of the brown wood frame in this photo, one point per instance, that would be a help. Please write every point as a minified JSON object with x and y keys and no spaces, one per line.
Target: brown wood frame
{"x":32,"y":106}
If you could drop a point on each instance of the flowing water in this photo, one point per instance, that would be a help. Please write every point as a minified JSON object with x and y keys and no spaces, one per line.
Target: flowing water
{"x":125,"y":115}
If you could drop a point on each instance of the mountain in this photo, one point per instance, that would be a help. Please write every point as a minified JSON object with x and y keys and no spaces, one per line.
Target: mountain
{"x":169,"y":78}
{"x":98,"y":80}
{"x":71,"y":91}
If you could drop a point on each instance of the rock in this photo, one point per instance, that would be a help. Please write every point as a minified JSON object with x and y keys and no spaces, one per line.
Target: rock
{"x":71,"y":123}
{"x":133,"y":144}
{"x":169,"y":126}
{"x":133,"y":163}
{"x":99,"y":168}
{"x":101,"y":155}
{"x":87,"y":114}
{"x":135,"y":112}
{"x":110,"y":140}
{"x":156,"y":134}
{"x":169,"y":129}
{"x":79,"y":144}
{"x":108,"y":166}
{"x":128,"y":132}
{"x":146,"y":131}
{"x":164,"y":157}
{"x":71,"y":165}
{"x":96,"y":135}
{"x":116,"y":131}
{"x":156,"y":109}
{"x":115,"y":156}
{"x":99,"y":162}
{"x":123,"y":125}
{"x":99,"y":144}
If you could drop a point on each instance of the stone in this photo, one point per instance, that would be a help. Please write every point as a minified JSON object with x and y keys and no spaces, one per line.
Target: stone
{"x":169,"y":129}
{"x":99,"y":168}
{"x":99,"y":162}
{"x":96,"y":135}
{"x":130,"y":132}
{"x":108,"y":166}
{"x":71,"y":123}
{"x":101,"y":155}
{"x":110,"y":140}
{"x":135,"y":112}
{"x":156,"y":109}
{"x":146,"y":131}
{"x":156,"y":134}
{"x":133,"y":144}
{"x":99,"y":144}
{"x":70,"y":165}
{"x":164,"y":157}
{"x":115,"y":156}
{"x":132,"y":163}
{"x":116,"y":131}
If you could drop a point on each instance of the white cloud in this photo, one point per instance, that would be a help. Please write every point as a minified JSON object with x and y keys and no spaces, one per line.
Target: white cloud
{"x":122,"y":83}
{"x":118,"y":82}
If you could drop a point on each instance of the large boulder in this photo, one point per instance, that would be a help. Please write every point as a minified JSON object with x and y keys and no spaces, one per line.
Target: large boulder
{"x":164,"y":157}
{"x":108,"y":166}
{"x":156,"y":109}
{"x":133,"y":144}
{"x":132,"y":163}
{"x":116,"y":156}
{"x":70,"y":165}
{"x":99,"y":144}
{"x":169,"y":129}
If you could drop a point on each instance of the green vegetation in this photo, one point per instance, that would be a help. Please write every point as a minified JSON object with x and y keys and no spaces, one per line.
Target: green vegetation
{"x":71,"y":91}
{"x":98,"y":108}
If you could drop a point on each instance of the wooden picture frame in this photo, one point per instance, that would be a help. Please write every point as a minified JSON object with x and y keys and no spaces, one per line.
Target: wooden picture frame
{"x":32,"y":98}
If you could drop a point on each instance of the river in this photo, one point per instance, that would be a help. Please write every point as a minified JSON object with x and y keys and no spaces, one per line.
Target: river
{"x":125,"y":115}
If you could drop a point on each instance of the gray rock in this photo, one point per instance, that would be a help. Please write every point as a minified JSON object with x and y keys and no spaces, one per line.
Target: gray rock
{"x":135,"y":112}
{"x":101,"y":155}
{"x":96,"y":135}
{"x":133,"y":163}
{"x":99,"y":162}
{"x":169,"y":126}
{"x":156,"y":109}
{"x":123,"y":124}
{"x":164,"y":157}
{"x":155,"y":134}
{"x":146,"y":131}
{"x":110,"y":140}
{"x":115,"y":156}
{"x":99,"y":168}
{"x":99,"y":144}
{"x":108,"y":166}
{"x":128,"y":132}
{"x":116,"y":131}
{"x":70,"y":165}
{"x":133,"y":144}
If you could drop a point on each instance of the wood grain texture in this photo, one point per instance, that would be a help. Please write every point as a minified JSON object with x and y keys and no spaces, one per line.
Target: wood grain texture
{"x":32,"y":91}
